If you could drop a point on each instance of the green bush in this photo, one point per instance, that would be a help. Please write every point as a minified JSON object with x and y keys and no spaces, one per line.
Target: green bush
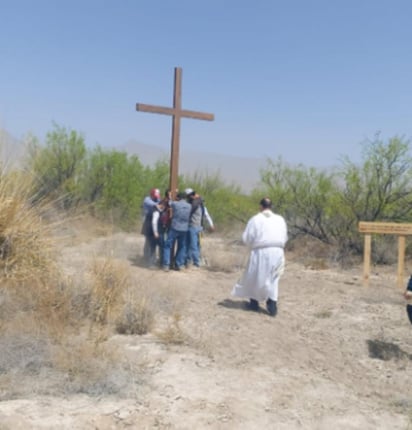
{"x":328,"y":205}
{"x":325,"y":205}
{"x":56,"y":165}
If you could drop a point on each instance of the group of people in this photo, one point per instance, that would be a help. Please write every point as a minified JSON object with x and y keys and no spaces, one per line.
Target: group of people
{"x":172,"y":229}
{"x":173,"y":226}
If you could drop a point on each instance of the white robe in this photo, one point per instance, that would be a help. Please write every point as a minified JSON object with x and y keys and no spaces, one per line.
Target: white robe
{"x":266,"y":235}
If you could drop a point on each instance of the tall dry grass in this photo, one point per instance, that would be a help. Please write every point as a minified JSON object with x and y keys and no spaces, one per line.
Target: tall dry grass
{"x":56,"y":328}
{"x":42,"y":333}
{"x":31,"y":285}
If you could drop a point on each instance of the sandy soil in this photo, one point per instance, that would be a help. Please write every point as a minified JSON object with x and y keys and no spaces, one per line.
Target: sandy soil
{"x":338,"y":355}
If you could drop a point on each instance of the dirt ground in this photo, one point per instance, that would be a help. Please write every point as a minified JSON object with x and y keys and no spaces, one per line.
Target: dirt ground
{"x":338,"y":355}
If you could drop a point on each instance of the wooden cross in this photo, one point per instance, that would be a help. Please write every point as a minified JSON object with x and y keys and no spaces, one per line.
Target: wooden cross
{"x":176,"y":112}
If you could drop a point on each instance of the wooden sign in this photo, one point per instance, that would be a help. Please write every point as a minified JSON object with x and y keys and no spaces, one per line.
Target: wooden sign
{"x":399,"y":229}
{"x":385,"y":228}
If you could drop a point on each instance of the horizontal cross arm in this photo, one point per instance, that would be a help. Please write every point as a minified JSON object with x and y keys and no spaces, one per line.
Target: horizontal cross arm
{"x":155,"y":109}
{"x":175,"y":112}
{"x":197,"y":115}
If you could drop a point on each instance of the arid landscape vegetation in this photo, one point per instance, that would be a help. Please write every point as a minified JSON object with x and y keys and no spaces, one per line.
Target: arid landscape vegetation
{"x":90,"y":338}
{"x":120,"y":121}
{"x":116,"y":345}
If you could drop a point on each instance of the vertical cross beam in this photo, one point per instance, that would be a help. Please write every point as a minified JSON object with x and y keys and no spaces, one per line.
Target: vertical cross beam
{"x":177,"y":113}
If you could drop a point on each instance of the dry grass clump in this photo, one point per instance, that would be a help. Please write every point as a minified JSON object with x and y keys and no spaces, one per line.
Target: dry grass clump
{"x":30,"y":280}
{"x":91,"y":368}
{"x":26,"y":249}
{"x":108,"y":280}
{"x":23,"y":351}
{"x":153,"y":306}
{"x":115,"y":300}
{"x":136,"y":317}
{"x":173,"y":332}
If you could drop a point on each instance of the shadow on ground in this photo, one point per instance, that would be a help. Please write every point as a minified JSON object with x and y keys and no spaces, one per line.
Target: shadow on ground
{"x":386,"y":351}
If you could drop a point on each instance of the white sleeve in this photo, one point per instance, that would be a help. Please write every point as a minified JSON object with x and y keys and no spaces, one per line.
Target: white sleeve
{"x":249,"y":234}
{"x":208,"y":217}
{"x":155,"y":221}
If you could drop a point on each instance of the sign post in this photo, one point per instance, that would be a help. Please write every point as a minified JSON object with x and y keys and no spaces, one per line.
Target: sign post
{"x":401,"y":230}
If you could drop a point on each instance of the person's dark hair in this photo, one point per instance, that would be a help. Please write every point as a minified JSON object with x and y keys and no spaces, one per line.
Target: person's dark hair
{"x":266,"y":203}
{"x":181,"y":195}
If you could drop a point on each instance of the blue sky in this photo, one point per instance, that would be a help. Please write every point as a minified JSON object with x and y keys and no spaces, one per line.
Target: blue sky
{"x":305,"y":80}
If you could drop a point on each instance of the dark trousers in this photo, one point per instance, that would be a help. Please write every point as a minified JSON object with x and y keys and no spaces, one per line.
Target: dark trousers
{"x":149,"y":250}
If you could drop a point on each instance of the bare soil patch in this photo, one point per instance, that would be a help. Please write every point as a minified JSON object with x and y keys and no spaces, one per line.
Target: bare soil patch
{"x":338,"y":355}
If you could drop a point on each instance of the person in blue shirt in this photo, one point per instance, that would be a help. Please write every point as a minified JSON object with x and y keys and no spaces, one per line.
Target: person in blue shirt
{"x":179,"y":226}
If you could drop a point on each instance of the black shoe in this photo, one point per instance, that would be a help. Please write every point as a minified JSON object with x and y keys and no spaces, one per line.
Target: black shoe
{"x":409,"y":312}
{"x":253,"y":305}
{"x":271,"y":306}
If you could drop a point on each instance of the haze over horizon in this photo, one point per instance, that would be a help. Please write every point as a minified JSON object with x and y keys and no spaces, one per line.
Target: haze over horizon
{"x":307,"y":81}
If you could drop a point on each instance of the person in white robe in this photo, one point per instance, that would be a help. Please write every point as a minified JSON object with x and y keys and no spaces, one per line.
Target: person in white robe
{"x":266,"y":235}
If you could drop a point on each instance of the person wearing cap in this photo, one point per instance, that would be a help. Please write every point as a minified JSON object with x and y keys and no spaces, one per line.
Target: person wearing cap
{"x":192,"y":195}
{"x":195,"y":228}
{"x":199,"y":213}
{"x":179,"y":226}
{"x":266,"y":235}
{"x":150,"y":244}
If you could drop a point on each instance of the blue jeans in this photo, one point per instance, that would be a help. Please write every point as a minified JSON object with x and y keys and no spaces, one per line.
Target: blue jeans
{"x":162,"y":241}
{"x":172,"y":237}
{"x":193,"y":245}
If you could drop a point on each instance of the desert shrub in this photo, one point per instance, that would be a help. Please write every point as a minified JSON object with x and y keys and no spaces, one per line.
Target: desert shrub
{"x":89,"y":367}
{"x":304,"y":196}
{"x":384,"y":249}
{"x":23,"y":352}
{"x":227,"y":205}
{"x":156,"y":176}
{"x":108,"y":280}
{"x":112,"y":184}
{"x":328,"y":205}
{"x":26,"y":247}
{"x":172,"y":333}
{"x":56,"y":165}
{"x":144,"y":309}
{"x":31,"y":281}
{"x":111,"y":298}
{"x":380,"y":187}
{"x":136,"y":316}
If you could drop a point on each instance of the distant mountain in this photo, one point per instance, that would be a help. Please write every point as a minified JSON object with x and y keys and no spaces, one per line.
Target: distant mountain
{"x":241,"y":171}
